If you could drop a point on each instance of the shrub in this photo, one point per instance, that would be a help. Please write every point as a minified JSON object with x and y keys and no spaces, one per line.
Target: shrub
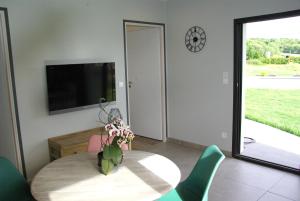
{"x":254,"y":62}
{"x":265,"y":60}
{"x":275,"y":60}
{"x":295,"y":60}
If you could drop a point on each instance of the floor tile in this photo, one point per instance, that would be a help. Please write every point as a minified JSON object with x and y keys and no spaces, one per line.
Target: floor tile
{"x":229,"y":190}
{"x":185,"y":158}
{"x":252,"y":174}
{"x":235,"y":180}
{"x":288,"y":186}
{"x":273,"y":197}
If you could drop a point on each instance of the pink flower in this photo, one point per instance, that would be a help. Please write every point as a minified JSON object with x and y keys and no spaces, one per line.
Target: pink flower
{"x":114,"y":132}
{"x":119,"y":128}
{"x":109,"y":127}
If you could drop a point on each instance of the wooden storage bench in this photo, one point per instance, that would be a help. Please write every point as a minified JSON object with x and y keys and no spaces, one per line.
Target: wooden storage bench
{"x":73,"y":143}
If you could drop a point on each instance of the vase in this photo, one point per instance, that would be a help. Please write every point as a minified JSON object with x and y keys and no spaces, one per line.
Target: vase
{"x":108,"y":161}
{"x":100,"y":157}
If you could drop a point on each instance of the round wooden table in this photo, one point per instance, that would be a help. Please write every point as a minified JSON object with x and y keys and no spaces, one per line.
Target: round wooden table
{"x":142,"y":176}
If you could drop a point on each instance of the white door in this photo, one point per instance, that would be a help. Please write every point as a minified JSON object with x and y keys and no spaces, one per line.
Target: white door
{"x":145,"y":81}
{"x":9,"y":144}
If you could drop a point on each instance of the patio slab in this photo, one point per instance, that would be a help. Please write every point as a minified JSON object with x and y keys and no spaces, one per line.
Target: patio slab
{"x":288,"y":83}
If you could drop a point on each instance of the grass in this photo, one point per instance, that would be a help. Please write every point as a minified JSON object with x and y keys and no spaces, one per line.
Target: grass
{"x":290,"y":69}
{"x":276,"y":108}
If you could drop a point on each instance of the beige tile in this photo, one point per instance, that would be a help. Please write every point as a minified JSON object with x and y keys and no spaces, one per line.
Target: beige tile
{"x":235,"y":180}
{"x":223,"y":189}
{"x":254,"y":175}
{"x":273,"y":197}
{"x":288,"y":186}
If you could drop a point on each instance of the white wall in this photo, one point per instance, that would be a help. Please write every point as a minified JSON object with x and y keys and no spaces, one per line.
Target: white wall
{"x":200,"y":106}
{"x":65,"y":30}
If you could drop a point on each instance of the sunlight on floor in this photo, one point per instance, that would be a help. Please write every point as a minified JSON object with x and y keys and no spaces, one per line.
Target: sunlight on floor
{"x":167,"y":175}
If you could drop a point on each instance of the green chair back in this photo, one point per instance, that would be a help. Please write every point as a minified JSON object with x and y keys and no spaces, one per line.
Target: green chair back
{"x":13,"y":186}
{"x":196,"y":186}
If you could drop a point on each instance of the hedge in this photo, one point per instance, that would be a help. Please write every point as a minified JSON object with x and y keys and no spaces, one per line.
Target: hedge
{"x":275,"y":60}
{"x":295,"y":60}
{"x":254,"y":62}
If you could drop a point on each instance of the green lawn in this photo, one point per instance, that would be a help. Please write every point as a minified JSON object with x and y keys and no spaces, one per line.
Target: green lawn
{"x":277,"y":108}
{"x":290,"y":69}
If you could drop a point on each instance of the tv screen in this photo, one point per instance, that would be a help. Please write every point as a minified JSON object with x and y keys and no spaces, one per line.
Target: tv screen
{"x":76,"y":86}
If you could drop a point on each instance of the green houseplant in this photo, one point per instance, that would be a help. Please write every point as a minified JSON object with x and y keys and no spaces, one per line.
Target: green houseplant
{"x":112,"y":155}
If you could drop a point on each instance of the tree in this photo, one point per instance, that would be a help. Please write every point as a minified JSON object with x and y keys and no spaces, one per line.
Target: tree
{"x":258,"y":47}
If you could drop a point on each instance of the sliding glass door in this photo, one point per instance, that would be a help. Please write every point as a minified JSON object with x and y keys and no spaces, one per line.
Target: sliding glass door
{"x":267,"y":90}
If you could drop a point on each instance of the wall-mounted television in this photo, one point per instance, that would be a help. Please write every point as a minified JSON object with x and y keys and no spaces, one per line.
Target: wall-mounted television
{"x":78,"y":86}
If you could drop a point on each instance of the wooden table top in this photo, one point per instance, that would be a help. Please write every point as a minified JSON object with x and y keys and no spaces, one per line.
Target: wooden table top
{"x":142,"y":176}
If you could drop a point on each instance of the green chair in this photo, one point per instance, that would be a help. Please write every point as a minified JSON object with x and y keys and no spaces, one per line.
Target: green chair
{"x":196,"y":186}
{"x":13,"y":186}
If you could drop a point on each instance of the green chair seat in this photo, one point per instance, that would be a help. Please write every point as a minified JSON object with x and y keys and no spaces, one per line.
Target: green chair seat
{"x":196,"y":186}
{"x":172,"y":195}
{"x":13,"y":186}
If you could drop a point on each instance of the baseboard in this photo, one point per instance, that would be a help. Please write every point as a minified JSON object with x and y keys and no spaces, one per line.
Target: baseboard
{"x":195,"y":146}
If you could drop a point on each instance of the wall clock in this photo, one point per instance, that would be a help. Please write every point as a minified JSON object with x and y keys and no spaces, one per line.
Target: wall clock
{"x":195,"y":39}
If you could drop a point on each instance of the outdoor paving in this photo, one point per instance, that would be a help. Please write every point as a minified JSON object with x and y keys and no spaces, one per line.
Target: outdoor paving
{"x":272,"y":82}
{"x":271,"y":144}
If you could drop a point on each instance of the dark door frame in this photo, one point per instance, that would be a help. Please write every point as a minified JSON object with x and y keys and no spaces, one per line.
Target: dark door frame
{"x":237,"y":86}
{"x":14,"y":91}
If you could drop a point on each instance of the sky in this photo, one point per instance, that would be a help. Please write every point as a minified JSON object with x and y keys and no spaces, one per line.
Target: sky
{"x":281,"y":28}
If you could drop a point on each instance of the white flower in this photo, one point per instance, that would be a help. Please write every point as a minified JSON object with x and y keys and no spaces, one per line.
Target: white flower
{"x":114,"y":132}
{"x":130,"y":136}
{"x":119,"y":128}
{"x":109,"y":127}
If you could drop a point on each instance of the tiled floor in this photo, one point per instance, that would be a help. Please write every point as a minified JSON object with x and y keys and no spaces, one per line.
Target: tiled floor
{"x":235,"y":180}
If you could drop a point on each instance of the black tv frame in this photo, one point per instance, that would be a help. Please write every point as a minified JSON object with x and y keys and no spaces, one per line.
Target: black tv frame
{"x":70,"y":62}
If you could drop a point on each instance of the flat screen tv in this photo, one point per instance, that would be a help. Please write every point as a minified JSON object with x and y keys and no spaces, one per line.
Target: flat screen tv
{"x":77,"y":86}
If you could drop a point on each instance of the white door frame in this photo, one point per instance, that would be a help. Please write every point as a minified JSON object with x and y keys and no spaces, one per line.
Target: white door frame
{"x":5,"y":38}
{"x":163,"y":70}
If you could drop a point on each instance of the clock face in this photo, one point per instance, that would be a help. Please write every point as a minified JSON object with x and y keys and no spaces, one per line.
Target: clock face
{"x":195,"y":39}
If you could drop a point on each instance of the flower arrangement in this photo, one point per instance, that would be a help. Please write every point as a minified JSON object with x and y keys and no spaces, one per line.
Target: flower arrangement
{"x":112,"y":154}
{"x":119,"y":134}
{"x":119,"y":130}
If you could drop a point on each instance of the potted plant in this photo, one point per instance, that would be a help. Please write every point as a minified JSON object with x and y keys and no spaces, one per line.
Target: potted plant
{"x":119,"y":134}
